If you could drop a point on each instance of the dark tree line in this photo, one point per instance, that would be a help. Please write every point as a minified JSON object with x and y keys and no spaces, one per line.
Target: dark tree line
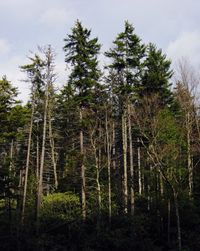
{"x":111,"y":161}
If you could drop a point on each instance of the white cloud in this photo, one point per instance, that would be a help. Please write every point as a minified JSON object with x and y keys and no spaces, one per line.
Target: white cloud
{"x":62,"y":73}
{"x":56,"y":16}
{"x":4,"y":46}
{"x":187,"y":45}
{"x":10,"y":68}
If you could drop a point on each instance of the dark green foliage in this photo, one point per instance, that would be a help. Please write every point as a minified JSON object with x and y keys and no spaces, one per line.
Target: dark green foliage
{"x":7,"y":100}
{"x":126,"y":62}
{"x":156,"y":76}
{"x":81,"y":52}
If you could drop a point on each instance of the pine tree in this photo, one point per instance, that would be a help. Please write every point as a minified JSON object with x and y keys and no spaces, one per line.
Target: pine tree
{"x":81,"y":53}
{"x":8,"y":95}
{"x":156,"y":76}
{"x":125,"y":73}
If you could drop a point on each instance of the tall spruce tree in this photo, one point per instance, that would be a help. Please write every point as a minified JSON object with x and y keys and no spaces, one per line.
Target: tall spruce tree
{"x":125,"y":73}
{"x":81,"y":53}
{"x":156,"y":76}
{"x":7,"y":99}
{"x":126,"y":61}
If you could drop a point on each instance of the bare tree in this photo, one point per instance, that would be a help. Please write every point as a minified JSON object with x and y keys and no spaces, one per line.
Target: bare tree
{"x":132,"y":188}
{"x":150,"y":113}
{"x":187,"y":94}
{"x":109,"y":149}
{"x":124,"y":146}
{"x":83,"y":185}
{"x":49,"y":77}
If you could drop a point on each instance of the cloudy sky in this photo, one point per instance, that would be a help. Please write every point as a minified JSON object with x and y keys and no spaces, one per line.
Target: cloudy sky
{"x":172,"y":25}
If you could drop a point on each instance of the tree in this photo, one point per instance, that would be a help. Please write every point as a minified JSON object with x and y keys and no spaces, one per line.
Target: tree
{"x":186,"y":97}
{"x":41,"y":75}
{"x":48,"y":79}
{"x":34,"y":74}
{"x":156,"y":76}
{"x":165,"y":143}
{"x":125,"y":68}
{"x":8,"y":95}
{"x":81,"y":54}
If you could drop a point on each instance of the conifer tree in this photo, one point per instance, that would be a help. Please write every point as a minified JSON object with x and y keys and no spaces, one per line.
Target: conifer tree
{"x":126,"y":65}
{"x":81,"y":53}
{"x":156,"y":76}
{"x":7,"y":100}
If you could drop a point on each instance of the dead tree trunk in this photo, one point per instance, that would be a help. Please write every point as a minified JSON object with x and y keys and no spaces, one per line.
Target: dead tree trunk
{"x":52,"y":145}
{"x":124,"y":144}
{"x":113,"y":147}
{"x":131,"y":161}
{"x":97,"y":165}
{"x":37,"y":154}
{"x":189,"y":160}
{"x":108,"y":148}
{"x":27,"y":161}
{"x":83,"y":185}
{"x":40,"y":184}
{"x":139,"y":168}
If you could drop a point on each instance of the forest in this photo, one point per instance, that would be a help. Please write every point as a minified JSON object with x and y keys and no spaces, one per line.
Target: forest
{"x":111,"y":160}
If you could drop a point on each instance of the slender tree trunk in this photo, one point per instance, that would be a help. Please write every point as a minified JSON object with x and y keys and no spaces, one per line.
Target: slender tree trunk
{"x":97,"y":165}
{"x":150,"y":178}
{"x":148,"y":197}
{"x":11,"y":156}
{"x":38,"y":156}
{"x":83,"y":186}
{"x":131,"y":161}
{"x":52,"y":145}
{"x":161,"y":184}
{"x":177,"y":220}
{"x":113,"y":146}
{"x":109,"y":168}
{"x":168,"y":222}
{"x":98,"y":183}
{"x":139,"y":168}
{"x":99,"y":169}
{"x":9,"y":196}
{"x":40,"y":185}
{"x":189,"y":160}
{"x":27,"y":161}
{"x":124,"y":142}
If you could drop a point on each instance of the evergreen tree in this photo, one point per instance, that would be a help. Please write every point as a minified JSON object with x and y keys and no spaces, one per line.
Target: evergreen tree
{"x":81,"y":53}
{"x":126,"y":62}
{"x":156,"y":76}
{"x":8,"y":95}
{"x":125,"y":74}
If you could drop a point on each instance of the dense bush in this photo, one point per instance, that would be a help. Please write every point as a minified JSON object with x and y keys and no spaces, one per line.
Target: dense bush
{"x":63,"y":206}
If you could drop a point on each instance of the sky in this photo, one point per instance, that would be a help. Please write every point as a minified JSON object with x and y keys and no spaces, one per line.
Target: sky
{"x":173,"y":25}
